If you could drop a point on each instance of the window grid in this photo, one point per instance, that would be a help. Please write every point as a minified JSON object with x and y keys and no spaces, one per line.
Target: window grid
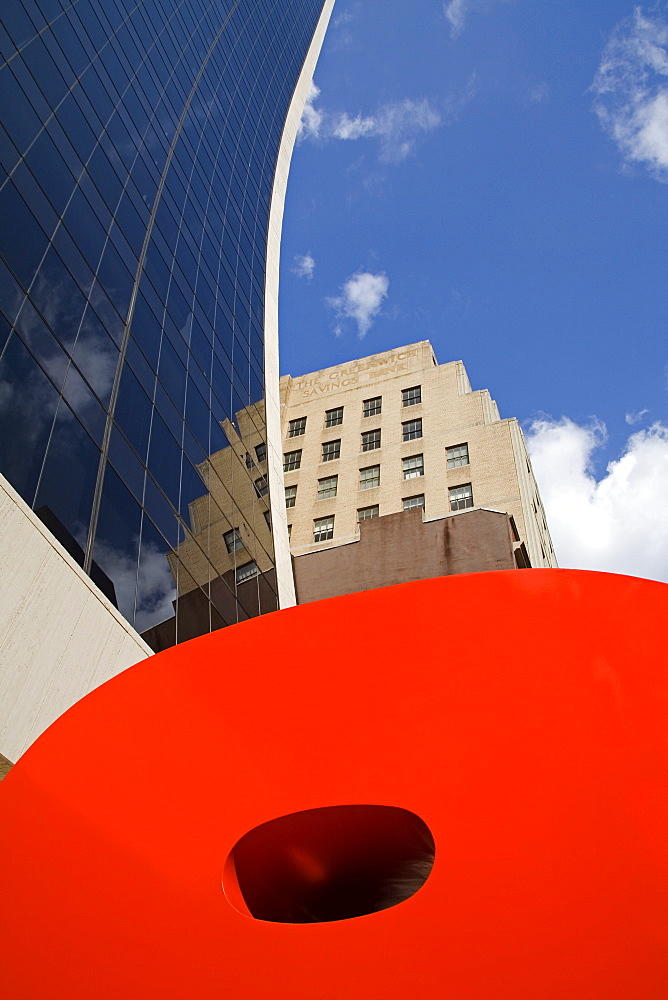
{"x":413,"y":467}
{"x":232,"y":540}
{"x":410,"y":397}
{"x":261,"y":452}
{"x":246,"y":572}
{"x":327,"y":487}
{"x":370,"y":477}
{"x":461,"y":497}
{"x":411,"y":502}
{"x":334,"y":417}
{"x":297,"y":427}
{"x":292,"y":460}
{"x":372,"y":407}
{"x":370,"y":440}
{"x":290,"y":496}
{"x":323,"y":529}
{"x":261,"y":486}
{"x":331,"y":450}
{"x":458,"y":456}
{"x":366,"y":513}
{"x":411,"y":429}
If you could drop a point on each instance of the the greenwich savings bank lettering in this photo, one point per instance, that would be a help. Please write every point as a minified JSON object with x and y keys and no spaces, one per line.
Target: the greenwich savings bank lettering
{"x":355,"y":374}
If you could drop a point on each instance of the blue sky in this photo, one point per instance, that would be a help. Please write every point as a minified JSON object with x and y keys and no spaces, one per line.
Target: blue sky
{"x":492,"y":175}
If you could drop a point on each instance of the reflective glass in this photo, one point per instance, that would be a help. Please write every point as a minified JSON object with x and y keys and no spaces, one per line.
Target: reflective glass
{"x":135,"y":309}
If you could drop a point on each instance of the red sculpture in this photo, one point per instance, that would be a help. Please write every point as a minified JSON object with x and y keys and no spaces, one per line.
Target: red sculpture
{"x":517,"y":718}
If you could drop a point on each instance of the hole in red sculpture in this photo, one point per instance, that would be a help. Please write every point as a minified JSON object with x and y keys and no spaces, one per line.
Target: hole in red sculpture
{"x":329,"y":864}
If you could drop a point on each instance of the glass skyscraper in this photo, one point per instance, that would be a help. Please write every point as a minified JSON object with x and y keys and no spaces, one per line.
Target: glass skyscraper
{"x":144,"y":148}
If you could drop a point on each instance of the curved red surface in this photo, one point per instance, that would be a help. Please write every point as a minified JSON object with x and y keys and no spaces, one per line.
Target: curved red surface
{"x":522,"y":715}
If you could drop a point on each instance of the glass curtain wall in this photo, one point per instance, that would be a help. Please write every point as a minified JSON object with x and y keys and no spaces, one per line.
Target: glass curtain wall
{"x":138,"y":149}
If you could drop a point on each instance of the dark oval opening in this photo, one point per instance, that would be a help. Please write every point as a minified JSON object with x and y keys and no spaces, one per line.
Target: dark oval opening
{"x":331,"y":863}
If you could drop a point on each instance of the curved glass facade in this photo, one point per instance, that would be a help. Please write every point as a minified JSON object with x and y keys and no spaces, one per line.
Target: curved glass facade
{"x":138,"y":149}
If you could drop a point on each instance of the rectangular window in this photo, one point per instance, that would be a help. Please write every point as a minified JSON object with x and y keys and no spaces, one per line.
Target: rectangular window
{"x":297,"y":427}
{"x":461,"y":497}
{"x":372,"y":407}
{"x":327,"y":487}
{"x":246,"y":572}
{"x":366,"y":513}
{"x":290,"y":496}
{"x":410,"y":397}
{"x":411,"y":429}
{"x":457,"y":456}
{"x":261,"y":486}
{"x":411,"y":502}
{"x":370,"y":477}
{"x":323,"y":529}
{"x":331,"y":450}
{"x":232,"y":540}
{"x":261,"y":452}
{"x":370,"y":440}
{"x":289,"y":531}
{"x":413,"y":467}
{"x":292,"y":460}
{"x":334,"y":417}
{"x":249,"y":461}
{"x":267,"y":517}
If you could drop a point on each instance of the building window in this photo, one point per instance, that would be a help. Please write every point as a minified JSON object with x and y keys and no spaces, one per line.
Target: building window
{"x":461,"y":497}
{"x":411,"y":502}
{"x":411,"y":429}
{"x":413,"y":467}
{"x":289,"y":531}
{"x":370,"y":477}
{"x":292,"y":460}
{"x":261,"y":486}
{"x":372,"y":406}
{"x":334,"y":417}
{"x":232,"y":540}
{"x":323,"y":529}
{"x":290,"y":496}
{"x":267,"y":517}
{"x":457,"y":456}
{"x":249,"y":461}
{"x":297,"y":427}
{"x":366,"y":513}
{"x":331,"y":450}
{"x":261,"y":451}
{"x":410,"y":397}
{"x":327,"y":487}
{"x":246,"y":572}
{"x":370,"y":440}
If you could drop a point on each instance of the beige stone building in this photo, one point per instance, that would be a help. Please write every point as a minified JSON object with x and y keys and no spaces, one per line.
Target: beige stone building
{"x":394,"y":432}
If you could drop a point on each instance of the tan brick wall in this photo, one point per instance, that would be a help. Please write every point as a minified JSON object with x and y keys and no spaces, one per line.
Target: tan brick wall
{"x":451,"y":414}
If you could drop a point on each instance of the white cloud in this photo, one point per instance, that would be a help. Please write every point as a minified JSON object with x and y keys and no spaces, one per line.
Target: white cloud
{"x":635,"y":418}
{"x":360,"y":300}
{"x":304,"y":265}
{"x":396,"y":125}
{"x":457,"y":12}
{"x":631,"y":87}
{"x":616,"y":524}
{"x":146,"y":593}
{"x":539,"y":93}
{"x":311,"y":119}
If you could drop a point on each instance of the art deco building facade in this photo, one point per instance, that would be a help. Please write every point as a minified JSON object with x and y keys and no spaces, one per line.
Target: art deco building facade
{"x":399,"y":438}
{"x":145,"y":149}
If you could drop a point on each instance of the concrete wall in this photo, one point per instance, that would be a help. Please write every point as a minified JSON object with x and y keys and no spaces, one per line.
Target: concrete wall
{"x":59,"y":636}
{"x":402,"y":547}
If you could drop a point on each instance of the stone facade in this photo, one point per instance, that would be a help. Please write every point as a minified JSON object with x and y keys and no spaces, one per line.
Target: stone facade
{"x":428,"y":414}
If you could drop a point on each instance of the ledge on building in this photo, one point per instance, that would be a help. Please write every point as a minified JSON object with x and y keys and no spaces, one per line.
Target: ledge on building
{"x":400,"y":548}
